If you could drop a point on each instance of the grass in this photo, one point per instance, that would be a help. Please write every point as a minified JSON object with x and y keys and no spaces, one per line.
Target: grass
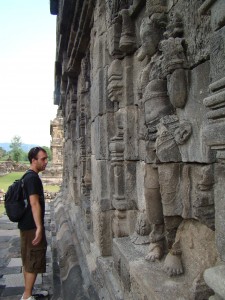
{"x":7,"y":180}
{"x":2,"y":209}
{"x":51,"y":188}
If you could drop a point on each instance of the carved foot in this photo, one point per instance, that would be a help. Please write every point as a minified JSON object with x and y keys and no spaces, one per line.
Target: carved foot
{"x":155,"y":252}
{"x":173,"y":265}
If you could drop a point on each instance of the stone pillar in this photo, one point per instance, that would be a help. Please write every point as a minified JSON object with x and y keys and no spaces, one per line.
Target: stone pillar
{"x":117,"y":162}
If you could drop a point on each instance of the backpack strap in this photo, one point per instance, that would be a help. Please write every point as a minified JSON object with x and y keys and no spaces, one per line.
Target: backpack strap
{"x":27,"y":172}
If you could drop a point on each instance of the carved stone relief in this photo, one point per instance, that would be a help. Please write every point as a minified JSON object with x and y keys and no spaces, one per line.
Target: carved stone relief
{"x":127,"y":42}
{"x":144,"y":145}
{"x":115,"y":81}
{"x":174,"y":192}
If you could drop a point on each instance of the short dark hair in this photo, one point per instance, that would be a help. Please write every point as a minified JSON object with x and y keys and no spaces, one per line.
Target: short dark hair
{"x":33,"y":153}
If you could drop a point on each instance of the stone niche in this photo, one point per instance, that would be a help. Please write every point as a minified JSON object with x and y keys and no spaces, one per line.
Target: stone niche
{"x":141,"y":88}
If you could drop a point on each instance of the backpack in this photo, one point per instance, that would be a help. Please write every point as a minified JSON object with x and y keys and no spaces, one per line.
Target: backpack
{"x":15,"y":200}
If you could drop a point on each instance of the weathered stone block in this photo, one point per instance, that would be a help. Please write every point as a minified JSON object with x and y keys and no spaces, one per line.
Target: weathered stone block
{"x":176,"y":179}
{"x":131,"y":221}
{"x":148,"y":281}
{"x":102,"y":230}
{"x":219,"y":194}
{"x":140,"y":169}
{"x":195,"y":150}
{"x":98,"y":50}
{"x":214,"y":135}
{"x":130,"y":184}
{"x":101,"y":183}
{"x":123,"y":254}
{"x":215,"y":279}
{"x":102,"y":129}
{"x":100,"y":104}
{"x":108,"y":280}
{"x":217,"y":68}
{"x":218,"y":14}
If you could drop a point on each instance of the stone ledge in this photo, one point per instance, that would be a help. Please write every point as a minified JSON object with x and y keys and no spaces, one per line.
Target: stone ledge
{"x":147,"y":280}
{"x":215,"y":278}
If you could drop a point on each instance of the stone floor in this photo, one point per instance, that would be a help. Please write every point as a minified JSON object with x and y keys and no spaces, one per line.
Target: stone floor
{"x":11,"y":277}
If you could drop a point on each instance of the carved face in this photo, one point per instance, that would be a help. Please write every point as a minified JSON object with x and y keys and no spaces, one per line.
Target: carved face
{"x":150,"y":37}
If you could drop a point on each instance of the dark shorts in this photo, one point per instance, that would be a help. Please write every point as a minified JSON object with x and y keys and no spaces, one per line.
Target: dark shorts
{"x":33,"y":257}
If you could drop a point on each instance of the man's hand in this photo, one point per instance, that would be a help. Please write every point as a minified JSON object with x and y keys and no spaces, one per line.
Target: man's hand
{"x":36,"y":211}
{"x":38,"y":237}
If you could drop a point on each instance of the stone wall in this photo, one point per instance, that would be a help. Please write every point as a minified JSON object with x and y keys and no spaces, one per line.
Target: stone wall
{"x":141,"y":88}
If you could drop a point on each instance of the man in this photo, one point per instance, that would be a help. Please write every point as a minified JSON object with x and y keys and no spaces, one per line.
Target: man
{"x":32,"y":231}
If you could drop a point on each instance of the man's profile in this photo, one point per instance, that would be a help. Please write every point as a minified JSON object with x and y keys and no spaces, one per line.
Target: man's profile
{"x":32,"y":231}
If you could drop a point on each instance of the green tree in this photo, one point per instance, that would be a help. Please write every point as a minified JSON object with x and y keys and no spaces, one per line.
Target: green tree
{"x":24,"y":157}
{"x":15,"y":145}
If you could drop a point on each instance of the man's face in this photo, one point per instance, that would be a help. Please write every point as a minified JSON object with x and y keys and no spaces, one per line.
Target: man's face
{"x":41,"y":161}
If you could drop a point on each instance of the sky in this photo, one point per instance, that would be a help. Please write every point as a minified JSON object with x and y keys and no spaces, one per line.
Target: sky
{"x":27,"y":58}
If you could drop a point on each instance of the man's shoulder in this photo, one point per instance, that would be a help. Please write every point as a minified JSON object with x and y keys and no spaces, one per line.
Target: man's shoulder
{"x":32,"y":183}
{"x":30,"y":174}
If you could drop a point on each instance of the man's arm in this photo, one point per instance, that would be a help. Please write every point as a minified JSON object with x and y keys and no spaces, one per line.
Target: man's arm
{"x":36,"y":211}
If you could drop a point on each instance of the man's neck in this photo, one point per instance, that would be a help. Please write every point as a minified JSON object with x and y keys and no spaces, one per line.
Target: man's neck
{"x":34,"y":169}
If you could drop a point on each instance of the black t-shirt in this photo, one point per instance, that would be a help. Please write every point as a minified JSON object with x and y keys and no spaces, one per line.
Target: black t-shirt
{"x":32,"y":186}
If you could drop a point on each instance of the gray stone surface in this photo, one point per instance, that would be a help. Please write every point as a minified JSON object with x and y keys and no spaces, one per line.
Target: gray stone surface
{"x":215,"y":278}
{"x":220,"y":209}
{"x":141,"y":88}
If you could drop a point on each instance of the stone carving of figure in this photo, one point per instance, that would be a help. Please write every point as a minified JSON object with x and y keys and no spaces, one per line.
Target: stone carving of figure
{"x":167,"y":77}
{"x":166,"y":147}
{"x":150,"y":33}
{"x":152,"y":28}
{"x":170,"y":134}
{"x":156,"y":104}
{"x":150,"y":37}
